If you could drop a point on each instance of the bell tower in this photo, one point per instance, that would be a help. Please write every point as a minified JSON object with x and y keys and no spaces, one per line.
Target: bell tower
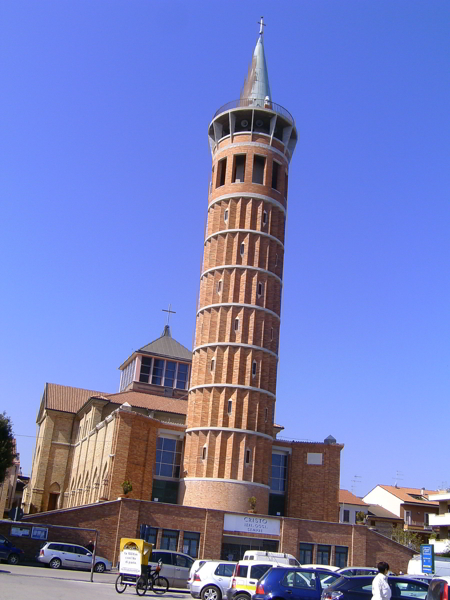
{"x":231,"y":404}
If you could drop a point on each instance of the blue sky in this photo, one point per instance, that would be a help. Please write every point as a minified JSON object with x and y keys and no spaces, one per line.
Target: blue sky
{"x":104,"y":168}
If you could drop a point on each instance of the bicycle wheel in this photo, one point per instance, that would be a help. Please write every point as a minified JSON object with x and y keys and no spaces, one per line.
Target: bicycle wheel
{"x":120,"y":585}
{"x":141,"y":586}
{"x":160,"y":585}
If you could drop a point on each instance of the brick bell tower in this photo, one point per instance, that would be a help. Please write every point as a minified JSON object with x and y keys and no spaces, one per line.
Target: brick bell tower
{"x":231,"y":406}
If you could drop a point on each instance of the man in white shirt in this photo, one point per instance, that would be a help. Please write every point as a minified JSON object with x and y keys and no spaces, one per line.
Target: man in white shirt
{"x":380,"y":586}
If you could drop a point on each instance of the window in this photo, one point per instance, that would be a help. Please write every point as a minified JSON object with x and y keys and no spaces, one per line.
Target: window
{"x":285,"y":185}
{"x":164,"y":557}
{"x":127,"y":375}
{"x":258,"y":571}
{"x":225,"y":570}
{"x":148,"y":534}
{"x":407,"y":517}
{"x":225,"y":215}
{"x":165,"y":490}
{"x":213,"y":360}
{"x":346,"y":516}
{"x":169,"y":374}
{"x":219,"y":286}
{"x":323,"y":554}
{"x":204,"y":453}
{"x":182,"y":376}
{"x":264,"y":218}
{"x":254,"y":368}
{"x":259,"y":164}
{"x":238,"y":168}
{"x":168,"y":457}
{"x":169,"y":540}
{"x":230,"y":406}
{"x":266,"y":414}
{"x":276,"y":260}
{"x":306,"y":554}
{"x":247,"y":456}
{"x":158,"y":366}
{"x":191,"y":542}
{"x":146,"y":364}
{"x":236,"y":324}
{"x":221,"y":172}
{"x":271,"y":334}
{"x":275,"y":171}
{"x":242,"y":249}
{"x":341,"y":556}
{"x":183,"y":561}
{"x":426,"y":519}
{"x":279,"y":472}
{"x":260,"y":289}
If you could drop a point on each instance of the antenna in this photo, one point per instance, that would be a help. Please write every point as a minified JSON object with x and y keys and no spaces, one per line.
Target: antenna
{"x":398,"y":477}
{"x":355,"y":482}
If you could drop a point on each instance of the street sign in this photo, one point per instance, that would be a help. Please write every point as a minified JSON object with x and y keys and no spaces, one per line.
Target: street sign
{"x":427,"y":558}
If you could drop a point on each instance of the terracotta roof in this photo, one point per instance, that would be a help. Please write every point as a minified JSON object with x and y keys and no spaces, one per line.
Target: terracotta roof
{"x":346,"y":497}
{"x":65,"y":398}
{"x":407,"y":494}
{"x":150,"y":401}
{"x":379,"y":512}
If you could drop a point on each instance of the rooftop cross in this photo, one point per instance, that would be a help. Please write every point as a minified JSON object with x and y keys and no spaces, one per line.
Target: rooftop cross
{"x":170,"y":312}
{"x":261,"y":25}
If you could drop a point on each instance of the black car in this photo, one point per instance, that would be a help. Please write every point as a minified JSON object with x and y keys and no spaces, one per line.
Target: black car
{"x":293,"y":583}
{"x":360,"y":588}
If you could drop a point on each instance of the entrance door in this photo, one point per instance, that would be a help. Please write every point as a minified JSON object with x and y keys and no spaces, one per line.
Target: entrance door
{"x":233,"y":547}
{"x":53,"y":501}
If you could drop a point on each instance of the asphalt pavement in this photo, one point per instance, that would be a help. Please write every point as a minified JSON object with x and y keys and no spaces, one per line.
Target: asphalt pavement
{"x":37,"y":583}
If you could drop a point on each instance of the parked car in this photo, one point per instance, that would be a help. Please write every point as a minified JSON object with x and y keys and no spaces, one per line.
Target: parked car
{"x":327,"y":567}
{"x":212,"y":580}
{"x":245,"y":577}
{"x":354,"y":571}
{"x":438,"y":589}
{"x":196,"y":565}
{"x":61,"y":554}
{"x":175,"y":566}
{"x":294,"y":583}
{"x":276,"y":557}
{"x":360,"y":588}
{"x":426,"y":578}
{"x":9,"y":552}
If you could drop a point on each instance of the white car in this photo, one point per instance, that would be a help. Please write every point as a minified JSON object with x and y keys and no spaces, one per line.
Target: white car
{"x":212,"y":580}
{"x":61,"y":554}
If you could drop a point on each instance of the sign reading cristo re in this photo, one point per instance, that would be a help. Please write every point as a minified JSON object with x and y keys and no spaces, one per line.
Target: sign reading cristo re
{"x":251,"y":524}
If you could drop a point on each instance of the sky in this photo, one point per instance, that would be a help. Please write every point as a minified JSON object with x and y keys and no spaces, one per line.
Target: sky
{"x":104,"y":171}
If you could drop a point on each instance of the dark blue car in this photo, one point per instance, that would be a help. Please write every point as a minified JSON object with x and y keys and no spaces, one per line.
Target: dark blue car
{"x":360,"y":588}
{"x":9,"y":552}
{"x":294,"y":583}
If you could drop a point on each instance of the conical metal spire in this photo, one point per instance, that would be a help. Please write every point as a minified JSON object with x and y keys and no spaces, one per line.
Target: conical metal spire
{"x":256,"y":85}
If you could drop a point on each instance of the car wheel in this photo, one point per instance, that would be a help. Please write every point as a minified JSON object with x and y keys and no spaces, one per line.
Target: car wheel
{"x":242,"y":597}
{"x":55,"y":563}
{"x":211,"y":592}
{"x":13,"y":559}
{"x":100,"y":567}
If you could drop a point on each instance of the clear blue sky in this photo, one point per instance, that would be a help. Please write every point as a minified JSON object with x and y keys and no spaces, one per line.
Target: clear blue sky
{"x":104,"y":168}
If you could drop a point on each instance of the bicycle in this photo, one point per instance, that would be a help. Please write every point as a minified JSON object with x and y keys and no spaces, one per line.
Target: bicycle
{"x":153,"y":582}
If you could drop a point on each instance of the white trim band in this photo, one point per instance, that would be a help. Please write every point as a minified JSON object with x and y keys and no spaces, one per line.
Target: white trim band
{"x":232,"y":429}
{"x":252,"y":145}
{"x":263,"y":197}
{"x":224,"y":481}
{"x":252,"y":306}
{"x":224,"y":231}
{"x":232,"y":385}
{"x":235,"y":344}
{"x":260,"y":269}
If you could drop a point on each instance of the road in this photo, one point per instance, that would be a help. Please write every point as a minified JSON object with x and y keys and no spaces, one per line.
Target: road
{"x":37,"y":583}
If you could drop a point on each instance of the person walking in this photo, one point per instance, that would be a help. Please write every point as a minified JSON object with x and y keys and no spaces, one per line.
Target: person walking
{"x":90,"y":546}
{"x":380,"y":586}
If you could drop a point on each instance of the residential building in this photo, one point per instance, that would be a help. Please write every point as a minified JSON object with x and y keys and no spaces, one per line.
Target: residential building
{"x":349,"y":506}
{"x":440,"y":521}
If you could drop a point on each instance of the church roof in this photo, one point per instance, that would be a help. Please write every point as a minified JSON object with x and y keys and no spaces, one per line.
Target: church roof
{"x":65,"y":398}
{"x":257,"y":85}
{"x":168,"y":347}
{"x":150,"y":401}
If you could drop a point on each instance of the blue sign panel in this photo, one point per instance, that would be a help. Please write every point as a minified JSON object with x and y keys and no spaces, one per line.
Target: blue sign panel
{"x":427,"y":557}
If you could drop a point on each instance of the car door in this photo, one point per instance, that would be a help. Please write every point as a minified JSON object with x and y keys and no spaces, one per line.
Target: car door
{"x":66,"y":554}
{"x":4,"y":543}
{"x":168,"y":569}
{"x":182,"y":567}
{"x":403,"y":589}
{"x":82,"y":557}
{"x":300,"y":585}
{"x":222,"y":576}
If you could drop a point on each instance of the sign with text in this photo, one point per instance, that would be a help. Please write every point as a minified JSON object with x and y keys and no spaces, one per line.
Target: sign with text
{"x":251,"y":524}
{"x":130,"y":562}
{"x":427,"y":558}
{"x":39,"y":533}
{"x":20,"y":531}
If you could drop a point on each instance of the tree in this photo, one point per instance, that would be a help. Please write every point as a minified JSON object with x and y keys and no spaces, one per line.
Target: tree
{"x":7,"y":445}
{"x":407,"y":538}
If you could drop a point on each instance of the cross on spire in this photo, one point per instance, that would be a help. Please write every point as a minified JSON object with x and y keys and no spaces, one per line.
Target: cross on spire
{"x":261,"y":26}
{"x":169,"y":312}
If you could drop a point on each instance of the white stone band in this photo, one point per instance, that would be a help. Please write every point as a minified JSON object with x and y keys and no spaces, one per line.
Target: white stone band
{"x":224,"y":481}
{"x":236,"y":344}
{"x":252,"y":306}
{"x":259,"y":269}
{"x":263,"y":197}
{"x":252,"y":145}
{"x":232,"y":385}
{"x":232,"y":429}
{"x":224,"y":231}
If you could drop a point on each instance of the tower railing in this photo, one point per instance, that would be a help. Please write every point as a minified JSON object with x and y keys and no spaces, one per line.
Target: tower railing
{"x":255,"y":103}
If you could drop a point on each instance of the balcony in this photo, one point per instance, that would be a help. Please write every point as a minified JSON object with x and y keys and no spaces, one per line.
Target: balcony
{"x":440,"y":520}
{"x":255,"y":103}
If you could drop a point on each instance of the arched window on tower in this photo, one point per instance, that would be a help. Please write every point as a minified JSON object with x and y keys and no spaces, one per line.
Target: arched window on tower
{"x":254,"y":368}
{"x":213,"y":364}
{"x":219,"y":286}
{"x":242,"y":249}
{"x":260,"y":289}
{"x":204,"y":452}
{"x":225,"y":215}
{"x":248,"y":456}
{"x":230,"y":406}
{"x":236,"y":324}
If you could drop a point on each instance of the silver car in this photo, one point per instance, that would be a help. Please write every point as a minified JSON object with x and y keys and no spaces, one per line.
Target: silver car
{"x":61,"y":554}
{"x":212,"y":580}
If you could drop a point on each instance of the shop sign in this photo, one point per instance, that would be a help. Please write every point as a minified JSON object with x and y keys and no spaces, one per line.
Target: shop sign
{"x":251,"y":524}
{"x":130,"y":562}
{"x":20,"y":531}
{"x":39,"y":533}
